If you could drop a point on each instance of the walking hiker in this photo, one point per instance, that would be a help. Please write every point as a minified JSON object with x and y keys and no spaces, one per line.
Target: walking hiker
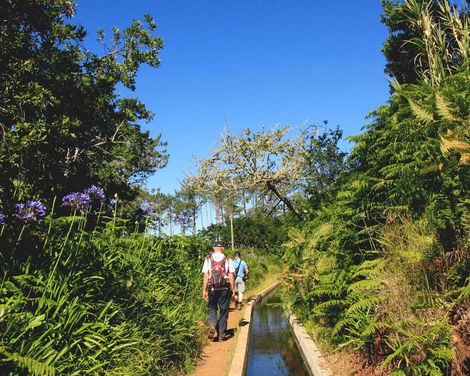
{"x":241,"y":275}
{"x":217,"y":290}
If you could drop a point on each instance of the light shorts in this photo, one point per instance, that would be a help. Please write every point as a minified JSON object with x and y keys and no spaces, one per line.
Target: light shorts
{"x":239,"y":285}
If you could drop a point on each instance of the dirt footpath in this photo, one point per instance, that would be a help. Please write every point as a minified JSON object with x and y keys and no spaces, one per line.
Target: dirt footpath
{"x":216,"y":356}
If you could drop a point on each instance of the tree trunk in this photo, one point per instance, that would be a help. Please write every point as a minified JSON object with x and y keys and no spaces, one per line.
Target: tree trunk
{"x":231,"y":231}
{"x":211,"y":212}
{"x":285,"y":200}
{"x":202,"y":216}
{"x":217,"y":214}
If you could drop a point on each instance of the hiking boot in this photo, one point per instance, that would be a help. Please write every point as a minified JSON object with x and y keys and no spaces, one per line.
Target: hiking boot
{"x":212,"y":332}
{"x":239,"y":306}
{"x":224,"y":337}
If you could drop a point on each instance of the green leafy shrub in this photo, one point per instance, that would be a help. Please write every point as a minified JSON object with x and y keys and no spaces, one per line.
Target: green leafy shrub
{"x":259,"y":232}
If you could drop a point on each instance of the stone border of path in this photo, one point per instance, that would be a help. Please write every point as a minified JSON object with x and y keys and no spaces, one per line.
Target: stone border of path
{"x":316,"y":363}
{"x":238,"y":364}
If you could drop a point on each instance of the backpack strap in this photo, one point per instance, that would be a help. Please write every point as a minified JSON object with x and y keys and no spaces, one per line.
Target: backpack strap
{"x":227,"y":268}
{"x":237,"y":269}
{"x":225,"y":260}
{"x":209,"y":266}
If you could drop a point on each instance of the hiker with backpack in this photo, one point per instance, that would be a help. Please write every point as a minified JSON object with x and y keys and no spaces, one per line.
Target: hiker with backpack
{"x":217,"y":290}
{"x":241,"y":275}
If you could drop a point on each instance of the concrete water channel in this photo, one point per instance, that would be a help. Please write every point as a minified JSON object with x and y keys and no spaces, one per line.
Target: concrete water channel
{"x":272,"y":349}
{"x":272,"y":342}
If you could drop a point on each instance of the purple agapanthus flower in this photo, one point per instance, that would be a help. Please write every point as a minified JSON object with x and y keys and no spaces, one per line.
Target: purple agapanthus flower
{"x":95,"y":193}
{"x":31,"y":211}
{"x":148,"y":209}
{"x":77,"y":200}
{"x":2,"y":219}
{"x":183,"y":219}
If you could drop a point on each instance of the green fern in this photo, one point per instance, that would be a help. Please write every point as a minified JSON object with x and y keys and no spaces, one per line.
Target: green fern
{"x":420,"y":112}
{"x":464,"y":292}
{"x":432,"y":343}
{"x":443,"y":108}
{"x":32,"y":365}
{"x":322,"y":307}
{"x":362,"y":304}
{"x":370,"y":268}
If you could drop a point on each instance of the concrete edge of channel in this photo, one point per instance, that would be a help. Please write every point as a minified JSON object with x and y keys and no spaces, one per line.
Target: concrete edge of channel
{"x":315,"y":362}
{"x":238,"y":364}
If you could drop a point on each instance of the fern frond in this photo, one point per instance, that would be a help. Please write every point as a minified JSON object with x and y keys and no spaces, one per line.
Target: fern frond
{"x":465,"y":292}
{"x":324,"y":229}
{"x":391,"y":170}
{"x":34,"y":367}
{"x":443,"y":108}
{"x":364,"y":284}
{"x":369,"y":265}
{"x":383,"y":184}
{"x":442,"y":352}
{"x":362,"y":304}
{"x":296,"y":238}
{"x":465,"y":159}
{"x":452,"y":144}
{"x":449,"y":145}
{"x":420,"y":112}
{"x":328,"y":304}
{"x":321,"y":290}
{"x":340,"y":325}
{"x":373,"y":328}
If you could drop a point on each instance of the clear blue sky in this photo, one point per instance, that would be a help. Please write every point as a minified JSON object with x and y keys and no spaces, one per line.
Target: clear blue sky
{"x":252,"y":63}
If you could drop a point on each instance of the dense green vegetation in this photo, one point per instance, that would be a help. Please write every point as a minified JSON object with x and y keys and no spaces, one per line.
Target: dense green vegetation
{"x":98,"y":301}
{"x":102,"y":300}
{"x":257,"y":231}
{"x":63,"y":127}
{"x":383,"y":266}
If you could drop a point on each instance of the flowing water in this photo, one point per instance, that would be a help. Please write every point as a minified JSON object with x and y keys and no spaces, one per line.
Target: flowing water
{"x":272,"y":349}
